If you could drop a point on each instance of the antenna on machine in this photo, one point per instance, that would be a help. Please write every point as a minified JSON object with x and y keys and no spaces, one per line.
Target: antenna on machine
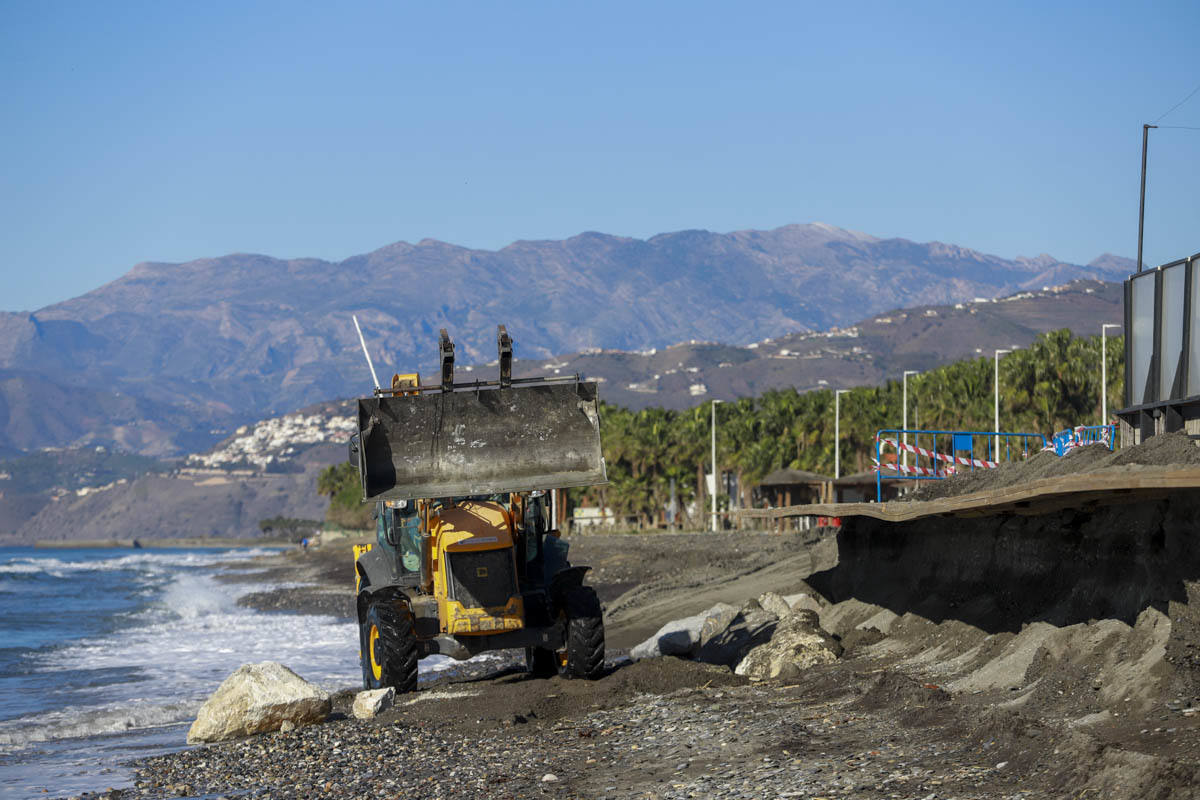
{"x":366,"y":353}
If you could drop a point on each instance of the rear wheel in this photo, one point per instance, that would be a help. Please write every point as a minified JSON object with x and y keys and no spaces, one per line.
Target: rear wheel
{"x":585,"y":634}
{"x":389,"y":646}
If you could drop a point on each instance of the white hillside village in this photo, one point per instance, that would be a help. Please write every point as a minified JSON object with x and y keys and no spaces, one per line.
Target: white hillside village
{"x":274,"y":440}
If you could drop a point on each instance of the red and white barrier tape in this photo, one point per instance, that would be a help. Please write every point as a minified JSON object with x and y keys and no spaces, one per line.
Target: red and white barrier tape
{"x":948,"y":470}
{"x":966,"y":462}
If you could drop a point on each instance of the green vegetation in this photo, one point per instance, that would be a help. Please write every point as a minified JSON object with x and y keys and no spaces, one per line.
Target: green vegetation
{"x":341,"y":485}
{"x":74,"y":469}
{"x":289,"y":528}
{"x":1051,"y":385}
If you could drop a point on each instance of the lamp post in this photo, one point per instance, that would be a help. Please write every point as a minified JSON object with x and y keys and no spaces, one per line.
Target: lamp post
{"x":1142,"y":197}
{"x":837,"y":432}
{"x":907,"y":372}
{"x":1104,"y":371}
{"x":996,"y":451}
{"x":714,"y":465}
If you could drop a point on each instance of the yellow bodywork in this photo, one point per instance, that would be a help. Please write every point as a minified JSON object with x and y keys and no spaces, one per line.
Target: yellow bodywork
{"x":406,"y":384}
{"x":467,"y":527}
{"x":359,"y":549}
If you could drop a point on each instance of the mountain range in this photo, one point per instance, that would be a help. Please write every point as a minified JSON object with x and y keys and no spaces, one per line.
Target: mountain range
{"x":170,"y":358}
{"x":268,"y":468}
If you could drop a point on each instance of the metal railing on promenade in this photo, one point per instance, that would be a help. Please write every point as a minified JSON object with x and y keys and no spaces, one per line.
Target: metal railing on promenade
{"x":982,"y":449}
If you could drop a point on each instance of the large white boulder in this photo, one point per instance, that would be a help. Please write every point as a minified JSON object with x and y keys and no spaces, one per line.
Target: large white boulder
{"x":258,"y":698}
{"x":797,"y":644}
{"x":373,"y":701}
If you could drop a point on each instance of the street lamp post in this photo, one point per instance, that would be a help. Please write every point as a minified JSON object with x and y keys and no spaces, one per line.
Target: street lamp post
{"x":996,"y":452}
{"x":1142,"y":197}
{"x":907,"y":372}
{"x":1104,"y":371}
{"x":714,"y":465}
{"x":837,"y":432}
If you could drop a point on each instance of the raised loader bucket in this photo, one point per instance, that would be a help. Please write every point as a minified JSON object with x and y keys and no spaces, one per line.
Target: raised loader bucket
{"x":456,"y":443}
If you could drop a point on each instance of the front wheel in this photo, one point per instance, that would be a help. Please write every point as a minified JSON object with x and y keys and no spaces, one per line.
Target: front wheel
{"x":585,"y":634}
{"x":389,"y":645}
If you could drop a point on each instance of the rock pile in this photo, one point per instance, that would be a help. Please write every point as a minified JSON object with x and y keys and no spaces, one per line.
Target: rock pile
{"x":770,"y":638}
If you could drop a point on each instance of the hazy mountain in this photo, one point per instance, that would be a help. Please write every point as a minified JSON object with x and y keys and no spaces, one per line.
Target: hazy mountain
{"x":170,"y":357}
{"x":871,"y":351}
{"x":269,"y":468}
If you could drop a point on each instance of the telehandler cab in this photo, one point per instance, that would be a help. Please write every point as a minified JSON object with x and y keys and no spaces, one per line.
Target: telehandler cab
{"x":466,"y":559}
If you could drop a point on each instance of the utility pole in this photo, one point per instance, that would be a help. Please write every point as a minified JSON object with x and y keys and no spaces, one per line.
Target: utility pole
{"x":996,"y":453}
{"x":1142,"y":201}
{"x":714,"y":465}
{"x":1104,"y":371}
{"x":837,"y":432}
{"x":907,"y":372}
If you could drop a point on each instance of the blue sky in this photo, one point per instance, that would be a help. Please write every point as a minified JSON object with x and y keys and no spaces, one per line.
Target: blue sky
{"x":167,"y":131}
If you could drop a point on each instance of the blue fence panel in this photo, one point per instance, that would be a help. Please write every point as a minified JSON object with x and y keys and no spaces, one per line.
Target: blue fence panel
{"x":983,"y":449}
{"x":1065,"y":441}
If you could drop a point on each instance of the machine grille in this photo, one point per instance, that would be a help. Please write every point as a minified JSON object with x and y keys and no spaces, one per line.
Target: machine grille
{"x":483,"y":578}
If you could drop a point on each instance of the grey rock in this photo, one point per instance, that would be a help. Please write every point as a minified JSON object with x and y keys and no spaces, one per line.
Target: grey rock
{"x":748,"y":630}
{"x":774,"y":604}
{"x":803,"y":600}
{"x":683,"y":637}
{"x":719,"y":618}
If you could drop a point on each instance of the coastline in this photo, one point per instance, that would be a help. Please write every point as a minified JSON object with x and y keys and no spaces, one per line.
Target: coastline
{"x":193,"y":543}
{"x":880,"y":722}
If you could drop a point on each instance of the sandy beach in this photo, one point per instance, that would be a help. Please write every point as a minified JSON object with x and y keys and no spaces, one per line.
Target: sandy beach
{"x":914,"y":708}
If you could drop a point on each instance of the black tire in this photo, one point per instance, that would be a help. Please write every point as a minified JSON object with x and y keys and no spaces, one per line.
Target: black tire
{"x":585,"y":634}
{"x":542,"y":663}
{"x":389,"y":646}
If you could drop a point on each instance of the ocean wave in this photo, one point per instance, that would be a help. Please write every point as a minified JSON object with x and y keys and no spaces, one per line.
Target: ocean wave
{"x":155,"y":560}
{"x":172,"y":653}
{"x":79,"y":722}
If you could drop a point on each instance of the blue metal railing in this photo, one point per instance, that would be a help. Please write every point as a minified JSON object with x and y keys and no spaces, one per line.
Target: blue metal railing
{"x":994,"y":447}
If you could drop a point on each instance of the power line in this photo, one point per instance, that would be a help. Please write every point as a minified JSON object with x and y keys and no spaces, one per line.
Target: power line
{"x":1181,"y":127}
{"x":1181,"y":102}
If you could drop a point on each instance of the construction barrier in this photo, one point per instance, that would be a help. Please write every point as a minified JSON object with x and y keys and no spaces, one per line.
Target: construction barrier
{"x":1065,"y":441}
{"x":996,"y":447}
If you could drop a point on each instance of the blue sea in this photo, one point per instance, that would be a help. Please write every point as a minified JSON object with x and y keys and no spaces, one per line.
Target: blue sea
{"x":105,"y":655}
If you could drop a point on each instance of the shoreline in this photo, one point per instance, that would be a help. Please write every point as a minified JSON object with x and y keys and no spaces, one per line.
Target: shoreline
{"x":905,"y":712}
{"x":197,"y":543}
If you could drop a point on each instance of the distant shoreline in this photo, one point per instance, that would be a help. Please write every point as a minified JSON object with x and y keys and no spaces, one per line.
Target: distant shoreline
{"x":159,"y":544}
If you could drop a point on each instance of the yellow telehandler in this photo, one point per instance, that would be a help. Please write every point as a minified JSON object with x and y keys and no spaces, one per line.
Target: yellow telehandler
{"x":466,"y":557}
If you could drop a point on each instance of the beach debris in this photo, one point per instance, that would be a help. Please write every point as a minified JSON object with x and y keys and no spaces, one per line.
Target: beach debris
{"x":372,"y":702}
{"x":797,"y":644}
{"x":258,"y":698}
